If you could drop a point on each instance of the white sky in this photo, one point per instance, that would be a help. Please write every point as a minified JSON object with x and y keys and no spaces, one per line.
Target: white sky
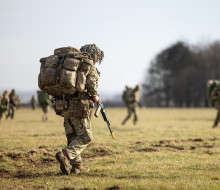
{"x":130,"y":32}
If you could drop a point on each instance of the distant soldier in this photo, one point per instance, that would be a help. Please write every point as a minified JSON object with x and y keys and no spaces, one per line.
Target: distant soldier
{"x":44,"y":102}
{"x":4,"y":103}
{"x":33,"y":102}
{"x":213,"y":93}
{"x":131,"y":98}
{"x":14,"y":102}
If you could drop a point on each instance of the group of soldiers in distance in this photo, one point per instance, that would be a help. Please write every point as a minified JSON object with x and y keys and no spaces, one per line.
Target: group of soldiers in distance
{"x":8,"y":104}
{"x":130,"y":96}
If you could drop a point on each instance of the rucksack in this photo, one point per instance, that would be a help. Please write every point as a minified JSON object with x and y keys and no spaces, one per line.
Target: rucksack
{"x":43,"y":98}
{"x":128,"y":96}
{"x":64,"y":73}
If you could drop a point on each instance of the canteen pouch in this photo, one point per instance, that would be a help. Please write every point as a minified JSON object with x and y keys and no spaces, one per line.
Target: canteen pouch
{"x":80,"y":108}
{"x":60,"y":106}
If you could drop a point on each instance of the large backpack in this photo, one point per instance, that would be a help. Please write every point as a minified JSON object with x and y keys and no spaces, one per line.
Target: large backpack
{"x":43,"y":98}
{"x":128,"y":96}
{"x":64,"y":73}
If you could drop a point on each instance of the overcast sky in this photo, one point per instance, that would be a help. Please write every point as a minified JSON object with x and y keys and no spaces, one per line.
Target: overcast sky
{"x":130,"y":32}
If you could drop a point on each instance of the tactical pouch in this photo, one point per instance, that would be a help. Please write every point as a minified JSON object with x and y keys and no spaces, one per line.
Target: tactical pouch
{"x":80,"y":108}
{"x":60,"y":106}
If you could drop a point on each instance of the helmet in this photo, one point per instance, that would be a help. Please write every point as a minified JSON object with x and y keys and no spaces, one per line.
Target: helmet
{"x":93,"y":51}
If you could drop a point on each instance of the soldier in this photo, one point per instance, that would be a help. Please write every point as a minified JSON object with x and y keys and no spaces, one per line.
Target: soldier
{"x":14,"y":101}
{"x":44,"y":102}
{"x":4,"y":103}
{"x":131,"y":97}
{"x":213,"y":94}
{"x":78,"y":128}
{"x":33,"y":102}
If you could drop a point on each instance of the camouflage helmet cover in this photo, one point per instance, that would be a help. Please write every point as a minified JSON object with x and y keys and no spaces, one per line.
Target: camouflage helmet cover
{"x":94,"y":52}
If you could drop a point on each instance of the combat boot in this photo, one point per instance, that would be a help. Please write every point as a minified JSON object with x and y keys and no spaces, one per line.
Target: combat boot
{"x":63,"y":159}
{"x":77,"y":168}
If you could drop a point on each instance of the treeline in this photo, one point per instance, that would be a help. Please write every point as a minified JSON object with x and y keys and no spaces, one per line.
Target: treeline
{"x":178,"y":75}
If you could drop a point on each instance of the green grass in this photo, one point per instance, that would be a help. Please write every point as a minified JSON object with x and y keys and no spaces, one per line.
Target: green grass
{"x":167,"y":149}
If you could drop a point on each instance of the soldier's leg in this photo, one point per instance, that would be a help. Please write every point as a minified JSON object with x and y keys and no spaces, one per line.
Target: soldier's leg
{"x":84,"y":136}
{"x":217,"y":119}
{"x":1,"y":116}
{"x":13,"y":112}
{"x":128,"y":117}
{"x":45,"y":111}
{"x":71,"y":136}
{"x":8,"y":112}
{"x":135,"y":115}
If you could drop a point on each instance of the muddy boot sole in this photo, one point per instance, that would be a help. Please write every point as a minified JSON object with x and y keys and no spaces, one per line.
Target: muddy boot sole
{"x":63,"y":166}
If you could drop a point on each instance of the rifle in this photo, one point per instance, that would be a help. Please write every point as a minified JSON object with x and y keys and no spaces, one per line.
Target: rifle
{"x":101,"y":108}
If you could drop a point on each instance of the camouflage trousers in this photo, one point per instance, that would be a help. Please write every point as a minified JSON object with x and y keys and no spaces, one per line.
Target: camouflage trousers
{"x":131,"y":110}
{"x":79,"y":135}
{"x":45,"y":109}
{"x":217,"y":119}
{"x":11,"y":112}
{"x":1,"y":114}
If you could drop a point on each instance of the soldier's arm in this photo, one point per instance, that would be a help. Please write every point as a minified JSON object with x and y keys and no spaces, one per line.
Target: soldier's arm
{"x":92,"y":83}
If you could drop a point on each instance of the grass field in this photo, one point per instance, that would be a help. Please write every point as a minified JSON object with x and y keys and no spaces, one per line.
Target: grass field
{"x":167,"y":149}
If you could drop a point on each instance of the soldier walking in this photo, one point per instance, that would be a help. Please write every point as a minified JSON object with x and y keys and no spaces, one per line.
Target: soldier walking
{"x":14,"y":102}
{"x":4,"y":103}
{"x":33,"y":102}
{"x":213,"y":93}
{"x":73,"y":99}
{"x":44,"y":101}
{"x":131,"y":98}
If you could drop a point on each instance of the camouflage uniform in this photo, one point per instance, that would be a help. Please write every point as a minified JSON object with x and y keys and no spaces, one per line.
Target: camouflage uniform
{"x":44,"y":103}
{"x":33,"y":102}
{"x":131,"y":97}
{"x":215,"y":100}
{"x":78,"y":129}
{"x":4,"y":103}
{"x":13,"y":104}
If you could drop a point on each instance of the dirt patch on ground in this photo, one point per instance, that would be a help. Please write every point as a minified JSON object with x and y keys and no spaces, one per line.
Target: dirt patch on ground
{"x":138,"y":142}
{"x":99,"y":152}
{"x":172,"y":143}
{"x":70,"y":188}
{"x":196,"y":140}
{"x":113,"y":188}
{"x":147,"y":150}
{"x":214,"y":139}
{"x":39,"y":158}
{"x":4,"y":173}
{"x":22,"y":174}
{"x":167,"y":141}
{"x":175,"y":147}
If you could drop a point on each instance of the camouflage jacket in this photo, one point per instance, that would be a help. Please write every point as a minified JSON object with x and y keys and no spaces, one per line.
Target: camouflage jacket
{"x":92,"y":81}
{"x":213,"y":93}
{"x":131,"y":97}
